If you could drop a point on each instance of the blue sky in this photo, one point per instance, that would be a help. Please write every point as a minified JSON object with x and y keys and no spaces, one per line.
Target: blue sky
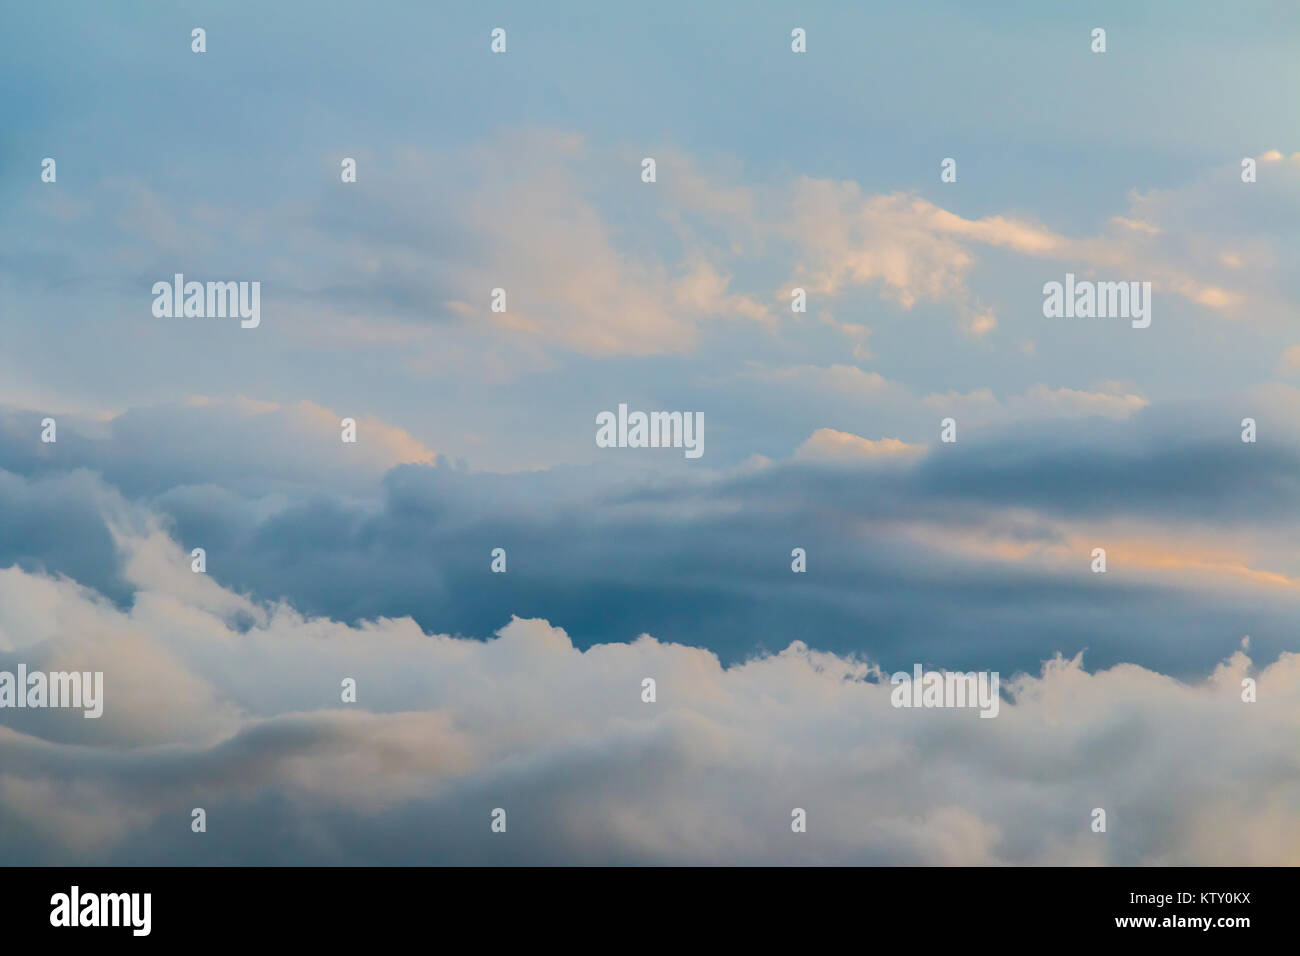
{"x":774,"y":170}
{"x":1043,"y":130}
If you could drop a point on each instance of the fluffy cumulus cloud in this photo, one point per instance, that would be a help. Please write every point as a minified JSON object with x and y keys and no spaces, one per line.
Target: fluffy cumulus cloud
{"x":524,"y":691}
{"x":214,"y":701}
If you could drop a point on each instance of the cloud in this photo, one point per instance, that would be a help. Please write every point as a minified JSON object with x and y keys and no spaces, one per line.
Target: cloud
{"x":234,"y":442}
{"x":697,"y":262}
{"x":847,"y":381}
{"x":1200,"y":241}
{"x":522,"y":690}
{"x":976,"y":398}
{"x":538,"y":214}
{"x":1219,"y":242}
{"x":919,"y":251}
{"x":531,"y":216}
{"x":927,"y":554}
{"x":1039,"y":402}
{"x":1069,"y":402}
{"x":446,"y":729}
{"x":829,"y":445}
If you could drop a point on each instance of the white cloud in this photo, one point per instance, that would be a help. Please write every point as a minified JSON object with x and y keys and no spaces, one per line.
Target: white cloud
{"x":199,"y":711}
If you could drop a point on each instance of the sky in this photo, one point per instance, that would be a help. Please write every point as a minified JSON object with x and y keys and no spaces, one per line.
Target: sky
{"x":476,"y":430}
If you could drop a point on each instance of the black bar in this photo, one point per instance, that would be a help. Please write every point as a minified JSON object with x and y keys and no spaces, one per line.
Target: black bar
{"x":643,"y":905}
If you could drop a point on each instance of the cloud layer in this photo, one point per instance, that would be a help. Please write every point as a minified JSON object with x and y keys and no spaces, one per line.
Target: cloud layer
{"x":775,"y":172}
{"x":246,"y":722}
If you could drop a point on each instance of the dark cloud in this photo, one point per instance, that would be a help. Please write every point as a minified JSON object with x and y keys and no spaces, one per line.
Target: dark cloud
{"x":708,"y":563}
{"x":902,"y":556}
{"x":55,"y":525}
